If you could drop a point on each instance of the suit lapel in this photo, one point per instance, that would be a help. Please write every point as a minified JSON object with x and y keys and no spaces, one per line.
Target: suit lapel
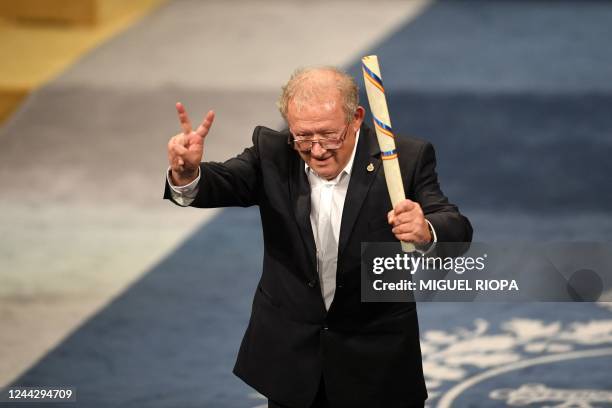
{"x":365,"y":167}
{"x":299,"y":190}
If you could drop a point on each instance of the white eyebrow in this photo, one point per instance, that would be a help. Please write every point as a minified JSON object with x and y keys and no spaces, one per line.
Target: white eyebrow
{"x":315,"y":132}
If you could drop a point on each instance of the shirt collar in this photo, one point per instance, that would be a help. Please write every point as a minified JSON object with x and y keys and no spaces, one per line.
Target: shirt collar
{"x":349,"y":166}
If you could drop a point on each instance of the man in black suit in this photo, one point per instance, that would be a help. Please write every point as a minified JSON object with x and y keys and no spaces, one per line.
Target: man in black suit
{"x":321,"y":191}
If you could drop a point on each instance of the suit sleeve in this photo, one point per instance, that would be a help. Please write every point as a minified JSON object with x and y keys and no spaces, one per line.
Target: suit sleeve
{"x":233,"y":183}
{"x":450,"y":225}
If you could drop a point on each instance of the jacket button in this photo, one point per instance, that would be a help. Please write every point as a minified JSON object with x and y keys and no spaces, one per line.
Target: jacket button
{"x":312,"y":284}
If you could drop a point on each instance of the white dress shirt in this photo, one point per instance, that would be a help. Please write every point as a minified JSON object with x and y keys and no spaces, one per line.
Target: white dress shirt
{"x":326,"y":205}
{"x":327,"y":202}
{"x":183,"y":195}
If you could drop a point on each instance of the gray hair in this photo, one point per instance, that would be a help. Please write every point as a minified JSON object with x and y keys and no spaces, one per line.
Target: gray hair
{"x":301,"y":88}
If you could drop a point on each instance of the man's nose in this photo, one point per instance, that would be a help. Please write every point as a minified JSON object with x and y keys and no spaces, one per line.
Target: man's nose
{"x":317,"y":150}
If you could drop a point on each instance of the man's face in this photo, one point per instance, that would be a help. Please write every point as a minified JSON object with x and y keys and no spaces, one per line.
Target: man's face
{"x":320,"y":118}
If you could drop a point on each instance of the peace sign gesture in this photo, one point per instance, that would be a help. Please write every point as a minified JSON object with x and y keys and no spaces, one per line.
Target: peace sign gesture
{"x":186,"y":148}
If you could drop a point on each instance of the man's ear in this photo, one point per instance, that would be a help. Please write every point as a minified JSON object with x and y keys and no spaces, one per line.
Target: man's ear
{"x":359,"y":115}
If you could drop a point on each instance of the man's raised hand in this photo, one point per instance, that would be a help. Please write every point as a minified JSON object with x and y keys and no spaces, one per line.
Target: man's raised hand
{"x":186,"y":148}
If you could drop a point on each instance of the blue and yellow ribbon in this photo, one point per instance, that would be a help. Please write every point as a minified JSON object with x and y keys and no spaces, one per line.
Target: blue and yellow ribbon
{"x":382,"y":127}
{"x":373,"y":78}
{"x":389,"y":155}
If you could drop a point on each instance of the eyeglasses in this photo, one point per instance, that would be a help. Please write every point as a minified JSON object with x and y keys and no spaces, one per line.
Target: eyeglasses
{"x":330,"y":141}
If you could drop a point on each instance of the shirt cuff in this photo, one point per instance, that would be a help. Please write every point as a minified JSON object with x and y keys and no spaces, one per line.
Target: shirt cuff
{"x":434,"y":237}
{"x":183,"y":195}
{"x":428,"y":248}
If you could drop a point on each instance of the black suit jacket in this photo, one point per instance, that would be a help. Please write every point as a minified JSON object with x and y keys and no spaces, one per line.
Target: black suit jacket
{"x":368,"y":353}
